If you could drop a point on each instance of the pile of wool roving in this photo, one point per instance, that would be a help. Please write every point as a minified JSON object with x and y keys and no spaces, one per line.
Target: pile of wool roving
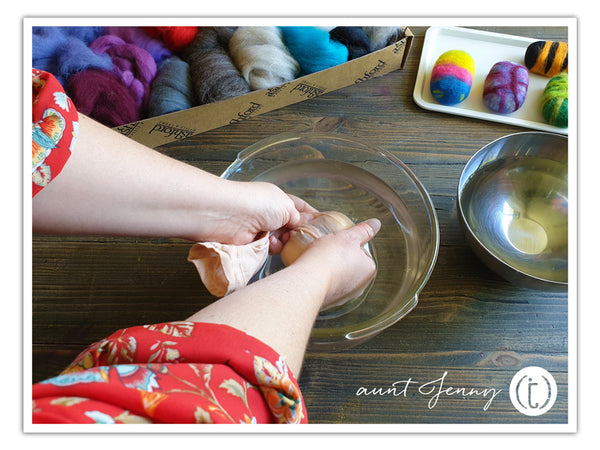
{"x":119,"y":75}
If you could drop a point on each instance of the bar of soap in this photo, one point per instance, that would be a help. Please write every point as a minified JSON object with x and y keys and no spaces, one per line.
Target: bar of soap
{"x":452,"y":76}
{"x":547,"y":58}
{"x":555,"y":101}
{"x":505,"y":87}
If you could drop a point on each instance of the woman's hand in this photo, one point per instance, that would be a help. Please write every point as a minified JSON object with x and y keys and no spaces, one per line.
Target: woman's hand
{"x":112,"y":185}
{"x":343,"y":258}
{"x":250,"y":208}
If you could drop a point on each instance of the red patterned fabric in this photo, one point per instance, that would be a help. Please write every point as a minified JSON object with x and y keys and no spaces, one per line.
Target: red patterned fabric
{"x":54,"y":128}
{"x":177,"y":372}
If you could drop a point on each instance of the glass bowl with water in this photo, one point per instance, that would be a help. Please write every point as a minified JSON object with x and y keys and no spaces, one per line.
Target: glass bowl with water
{"x":341,"y":173}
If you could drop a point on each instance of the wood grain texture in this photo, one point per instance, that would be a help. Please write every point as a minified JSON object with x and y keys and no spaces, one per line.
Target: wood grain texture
{"x":469,"y":322}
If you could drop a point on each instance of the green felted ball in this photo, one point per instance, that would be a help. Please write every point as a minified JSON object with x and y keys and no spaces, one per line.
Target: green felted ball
{"x":555,"y":101}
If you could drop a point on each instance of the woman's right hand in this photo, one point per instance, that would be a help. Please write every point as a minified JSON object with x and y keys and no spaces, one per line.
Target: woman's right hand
{"x":342,"y":256}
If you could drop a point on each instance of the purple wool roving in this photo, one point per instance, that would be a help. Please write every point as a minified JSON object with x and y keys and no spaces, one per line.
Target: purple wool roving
{"x":134,"y":66}
{"x":505,"y":87}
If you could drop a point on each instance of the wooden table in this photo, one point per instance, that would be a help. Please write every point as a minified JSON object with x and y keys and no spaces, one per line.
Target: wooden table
{"x":470,"y":329}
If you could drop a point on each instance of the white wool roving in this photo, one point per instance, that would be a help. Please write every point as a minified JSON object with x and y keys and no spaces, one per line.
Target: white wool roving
{"x":261,"y":57}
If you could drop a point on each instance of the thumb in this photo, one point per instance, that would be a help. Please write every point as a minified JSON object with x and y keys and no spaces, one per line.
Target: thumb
{"x":365,"y":231}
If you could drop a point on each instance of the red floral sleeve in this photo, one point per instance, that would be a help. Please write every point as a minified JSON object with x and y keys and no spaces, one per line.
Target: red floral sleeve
{"x":176,"y":372}
{"x":54,"y":128}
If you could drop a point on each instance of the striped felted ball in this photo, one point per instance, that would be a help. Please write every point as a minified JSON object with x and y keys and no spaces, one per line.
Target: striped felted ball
{"x":547,"y":58}
{"x":555,"y":101}
{"x":452,"y":76}
{"x":505,"y":87}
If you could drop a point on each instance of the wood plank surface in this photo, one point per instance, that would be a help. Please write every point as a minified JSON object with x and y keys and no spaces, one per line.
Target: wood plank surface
{"x":469,"y":323}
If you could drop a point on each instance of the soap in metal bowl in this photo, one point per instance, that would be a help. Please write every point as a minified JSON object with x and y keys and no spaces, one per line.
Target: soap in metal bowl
{"x":513,"y":205}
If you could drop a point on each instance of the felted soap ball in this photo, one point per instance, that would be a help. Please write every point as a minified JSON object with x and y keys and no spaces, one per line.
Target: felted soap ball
{"x":555,"y":101}
{"x":547,"y":58}
{"x":505,"y":87}
{"x":452,"y":76}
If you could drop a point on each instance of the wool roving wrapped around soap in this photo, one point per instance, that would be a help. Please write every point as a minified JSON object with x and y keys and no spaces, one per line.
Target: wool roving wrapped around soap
{"x":134,"y":66}
{"x":101,"y":95}
{"x":354,"y":38}
{"x":171,"y":89}
{"x":214,"y":75}
{"x":262,"y":58}
{"x":313,"y":48}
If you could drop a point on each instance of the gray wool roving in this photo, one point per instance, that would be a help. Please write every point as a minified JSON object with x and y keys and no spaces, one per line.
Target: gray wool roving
{"x":214,"y":75}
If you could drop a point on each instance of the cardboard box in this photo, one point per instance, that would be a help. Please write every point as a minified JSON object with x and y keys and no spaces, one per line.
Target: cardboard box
{"x":160,"y":130}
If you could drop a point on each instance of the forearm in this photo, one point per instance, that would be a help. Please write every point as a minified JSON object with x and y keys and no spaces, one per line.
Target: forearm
{"x":113,"y":185}
{"x":280,"y":309}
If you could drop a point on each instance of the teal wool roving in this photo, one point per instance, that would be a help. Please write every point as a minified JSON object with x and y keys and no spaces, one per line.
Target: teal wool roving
{"x":171,"y":89}
{"x":214,"y":75}
{"x":313,"y":48}
{"x":262,"y":57}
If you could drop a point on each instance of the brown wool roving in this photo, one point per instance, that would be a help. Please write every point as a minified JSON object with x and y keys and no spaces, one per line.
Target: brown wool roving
{"x":214,"y":75}
{"x":262,"y":58}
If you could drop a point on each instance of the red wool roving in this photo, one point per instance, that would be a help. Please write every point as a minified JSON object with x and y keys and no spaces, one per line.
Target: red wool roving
{"x":175,"y":38}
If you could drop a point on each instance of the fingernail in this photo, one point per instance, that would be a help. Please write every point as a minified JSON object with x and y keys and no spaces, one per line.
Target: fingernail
{"x":375,"y":225}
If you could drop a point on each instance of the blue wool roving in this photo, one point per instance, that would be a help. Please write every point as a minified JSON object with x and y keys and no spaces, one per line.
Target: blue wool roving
{"x":313,"y":48}
{"x":75,"y":56}
{"x":64,"y":51}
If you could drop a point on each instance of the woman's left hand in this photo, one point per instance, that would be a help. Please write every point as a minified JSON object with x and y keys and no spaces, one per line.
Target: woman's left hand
{"x":251,"y":208}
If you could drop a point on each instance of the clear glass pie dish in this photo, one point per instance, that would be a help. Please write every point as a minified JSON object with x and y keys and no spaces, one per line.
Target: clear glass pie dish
{"x":340,"y":173}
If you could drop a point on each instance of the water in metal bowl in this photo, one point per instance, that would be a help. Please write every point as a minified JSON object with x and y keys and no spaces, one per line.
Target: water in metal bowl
{"x":335,"y":172}
{"x":513,"y":201}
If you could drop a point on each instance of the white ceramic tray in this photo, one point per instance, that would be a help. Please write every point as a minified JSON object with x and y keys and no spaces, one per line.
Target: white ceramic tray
{"x":486,"y":49}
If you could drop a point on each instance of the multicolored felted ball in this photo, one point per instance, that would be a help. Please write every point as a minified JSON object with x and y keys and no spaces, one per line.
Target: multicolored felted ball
{"x":505,"y":87}
{"x":547,"y":58}
{"x":452,"y":76}
{"x":555,"y":101}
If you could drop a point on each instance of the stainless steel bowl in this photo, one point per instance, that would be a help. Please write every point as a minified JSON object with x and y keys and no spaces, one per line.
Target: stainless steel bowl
{"x":337,"y":172}
{"x":513,"y":205}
